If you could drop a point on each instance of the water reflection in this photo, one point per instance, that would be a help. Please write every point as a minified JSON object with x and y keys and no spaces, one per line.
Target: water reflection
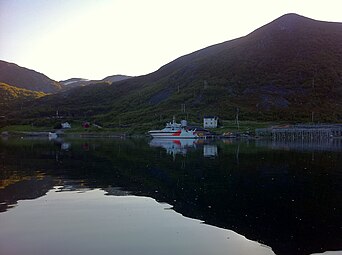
{"x":210,"y":150}
{"x":92,"y":223}
{"x":65,"y":146}
{"x":175,"y":146}
{"x":183,"y":146}
{"x":281,"y":198}
{"x":303,"y":145}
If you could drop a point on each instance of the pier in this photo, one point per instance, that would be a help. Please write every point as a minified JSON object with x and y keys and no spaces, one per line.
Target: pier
{"x":302,"y":132}
{"x":332,"y":145}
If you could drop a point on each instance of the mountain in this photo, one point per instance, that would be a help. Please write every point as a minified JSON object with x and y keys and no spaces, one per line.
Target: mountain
{"x":72,"y":81}
{"x":289,"y":69}
{"x":115,"y":78}
{"x":10,"y":95}
{"x":78,"y":82}
{"x":24,"y":78}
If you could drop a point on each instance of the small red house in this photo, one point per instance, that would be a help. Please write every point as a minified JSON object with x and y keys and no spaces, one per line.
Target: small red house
{"x":86,"y":124}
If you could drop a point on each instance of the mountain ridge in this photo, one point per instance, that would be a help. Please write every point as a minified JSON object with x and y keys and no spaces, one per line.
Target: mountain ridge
{"x":289,"y":69}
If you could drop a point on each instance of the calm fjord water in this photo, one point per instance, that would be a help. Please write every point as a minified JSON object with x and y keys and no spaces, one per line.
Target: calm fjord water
{"x":170,"y":197}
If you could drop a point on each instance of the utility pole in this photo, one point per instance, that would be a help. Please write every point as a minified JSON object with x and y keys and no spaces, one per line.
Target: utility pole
{"x":313,"y":82}
{"x":183,"y":108}
{"x":237,"y":117}
{"x":205,"y":84}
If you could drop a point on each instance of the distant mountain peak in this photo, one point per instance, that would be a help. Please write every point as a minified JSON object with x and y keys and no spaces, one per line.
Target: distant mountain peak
{"x":292,"y":16}
{"x":290,"y":19}
{"x":72,"y":81}
{"x":291,"y":23}
{"x":79,"y":82}
{"x":115,"y":78}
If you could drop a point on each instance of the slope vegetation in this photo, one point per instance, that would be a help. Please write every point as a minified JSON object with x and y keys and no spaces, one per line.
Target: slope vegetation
{"x":11,"y":95}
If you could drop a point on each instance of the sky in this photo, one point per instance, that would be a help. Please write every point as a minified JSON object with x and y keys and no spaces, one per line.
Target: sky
{"x":93,"y":39}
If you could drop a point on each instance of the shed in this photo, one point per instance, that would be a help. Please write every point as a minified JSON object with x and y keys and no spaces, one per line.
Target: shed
{"x":66,"y":125}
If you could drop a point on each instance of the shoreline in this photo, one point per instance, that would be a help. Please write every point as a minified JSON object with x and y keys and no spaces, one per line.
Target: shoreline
{"x":63,"y":134}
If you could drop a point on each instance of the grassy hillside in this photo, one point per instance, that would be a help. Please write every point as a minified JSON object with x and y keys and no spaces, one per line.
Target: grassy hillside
{"x":12,"y":95}
{"x":289,"y":69}
{"x":27,"y":79}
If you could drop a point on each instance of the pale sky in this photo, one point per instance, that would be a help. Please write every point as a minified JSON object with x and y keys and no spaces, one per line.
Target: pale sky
{"x":96,"y":38}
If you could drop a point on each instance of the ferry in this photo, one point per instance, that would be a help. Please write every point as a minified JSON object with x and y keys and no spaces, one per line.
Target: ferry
{"x":179,"y":130}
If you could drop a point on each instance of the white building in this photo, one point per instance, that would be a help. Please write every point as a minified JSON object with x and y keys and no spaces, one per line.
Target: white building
{"x":66,"y":125}
{"x":210,"y":121}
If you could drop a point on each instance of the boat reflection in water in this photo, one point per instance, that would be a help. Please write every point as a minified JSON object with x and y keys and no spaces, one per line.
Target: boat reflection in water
{"x":183,"y":146}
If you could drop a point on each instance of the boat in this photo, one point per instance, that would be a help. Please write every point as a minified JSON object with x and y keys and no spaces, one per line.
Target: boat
{"x":228,"y":135}
{"x":178,"y":130}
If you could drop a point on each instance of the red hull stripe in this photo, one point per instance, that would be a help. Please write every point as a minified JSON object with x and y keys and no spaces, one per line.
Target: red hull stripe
{"x":177,"y":133}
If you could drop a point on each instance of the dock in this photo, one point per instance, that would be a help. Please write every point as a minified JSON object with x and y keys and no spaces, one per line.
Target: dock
{"x":302,"y":132}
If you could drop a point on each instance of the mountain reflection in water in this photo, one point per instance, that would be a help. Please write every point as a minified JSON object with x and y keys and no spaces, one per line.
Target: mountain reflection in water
{"x":285,"y":198}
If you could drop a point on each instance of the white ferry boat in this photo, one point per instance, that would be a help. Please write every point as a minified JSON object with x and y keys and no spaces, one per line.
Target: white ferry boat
{"x":176,"y":130}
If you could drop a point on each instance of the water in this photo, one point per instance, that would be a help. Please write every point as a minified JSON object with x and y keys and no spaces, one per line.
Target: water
{"x":145,"y":196}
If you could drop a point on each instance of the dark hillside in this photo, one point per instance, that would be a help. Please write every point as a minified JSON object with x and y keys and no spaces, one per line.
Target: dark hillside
{"x":291,"y":63}
{"x":27,"y":79}
{"x":289,"y":69}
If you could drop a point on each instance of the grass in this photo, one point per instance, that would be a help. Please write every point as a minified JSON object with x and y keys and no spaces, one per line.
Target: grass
{"x":244,"y":126}
{"x":24,"y":128}
{"x":226,"y":126}
{"x":76,"y":129}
